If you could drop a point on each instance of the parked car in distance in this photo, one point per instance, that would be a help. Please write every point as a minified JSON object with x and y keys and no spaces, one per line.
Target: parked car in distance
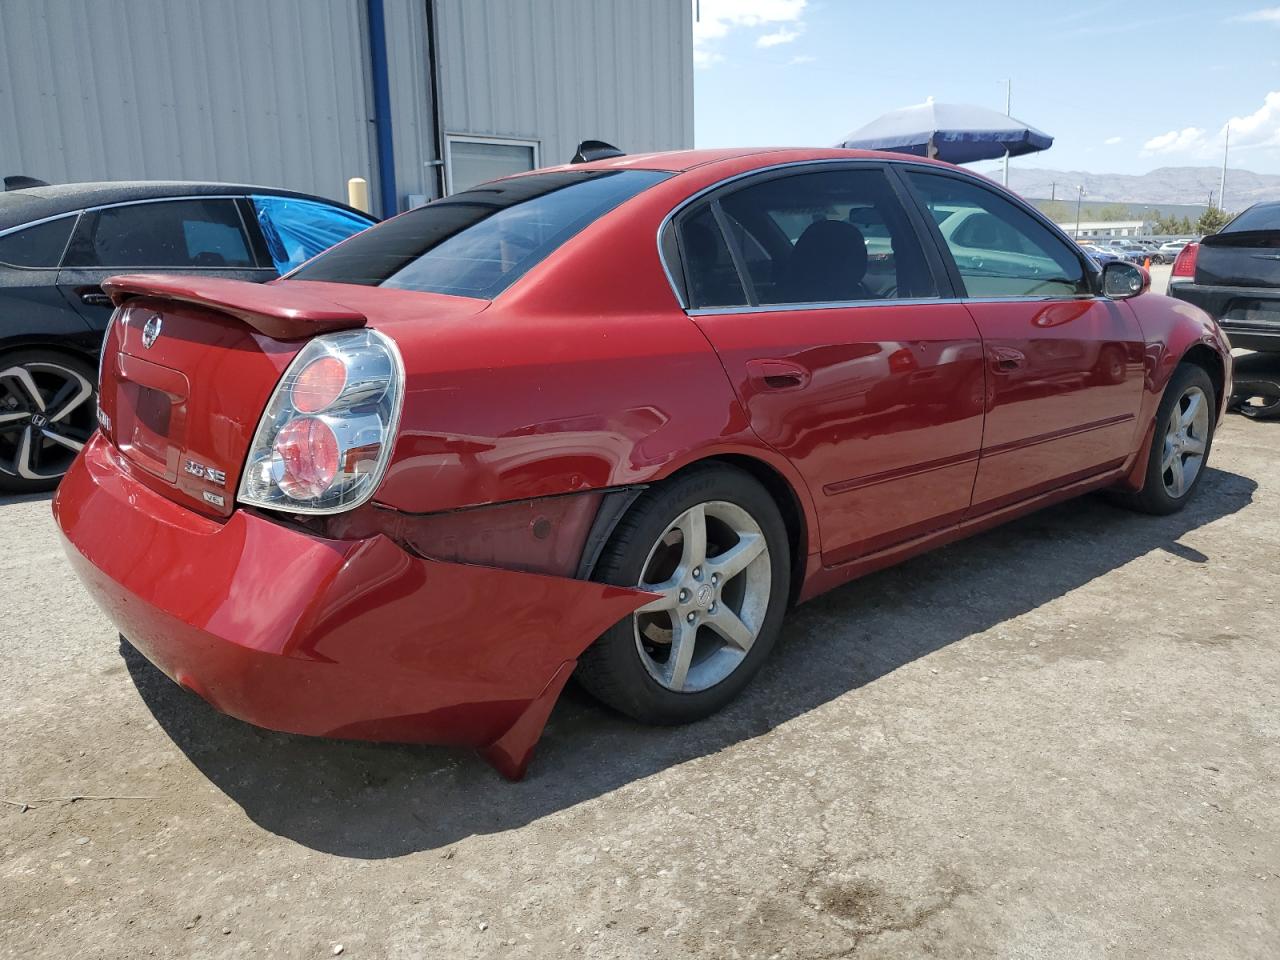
{"x":1100,"y":256}
{"x":57,"y":245}
{"x":1234,"y":275}
{"x":611,"y":418}
{"x":1171,"y":248}
{"x":1152,"y":249}
{"x":1126,"y":250}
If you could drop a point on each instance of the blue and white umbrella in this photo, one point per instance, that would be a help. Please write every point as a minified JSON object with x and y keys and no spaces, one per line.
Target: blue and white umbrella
{"x":954,"y":132}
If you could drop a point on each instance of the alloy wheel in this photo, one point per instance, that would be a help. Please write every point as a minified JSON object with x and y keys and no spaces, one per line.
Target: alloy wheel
{"x":1185,"y":441}
{"x":711,"y":570}
{"x":47,"y":415}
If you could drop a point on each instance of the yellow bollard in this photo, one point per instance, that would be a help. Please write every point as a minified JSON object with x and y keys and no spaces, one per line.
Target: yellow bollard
{"x":358,"y":193}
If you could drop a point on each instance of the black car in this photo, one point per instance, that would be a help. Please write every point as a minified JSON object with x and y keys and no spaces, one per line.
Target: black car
{"x":1234,"y":275}
{"x":57,"y":245}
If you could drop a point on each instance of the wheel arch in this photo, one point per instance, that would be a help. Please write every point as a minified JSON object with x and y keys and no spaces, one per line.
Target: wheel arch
{"x":1208,"y":359}
{"x":796,"y":518}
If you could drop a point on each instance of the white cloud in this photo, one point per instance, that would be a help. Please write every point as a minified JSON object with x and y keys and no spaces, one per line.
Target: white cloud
{"x":1112,"y":141}
{"x":1176,"y":141}
{"x":1265,"y":15}
{"x":719,"y":17}
{"x":774,"y":39}
{"x":802,"y":58}
{"x":1260,"y":129}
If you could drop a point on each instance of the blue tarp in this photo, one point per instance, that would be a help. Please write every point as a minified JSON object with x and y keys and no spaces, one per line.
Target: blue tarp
{"x":960,"y":133}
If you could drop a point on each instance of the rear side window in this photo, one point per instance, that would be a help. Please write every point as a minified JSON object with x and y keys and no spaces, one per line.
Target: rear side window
{"x":479,"y":242}
{"x":296,"y":230}
{"x":171,"y":233}
{"x":38,"y":246}
{"x":826,"y":237}
{"x":708,"y":265}
{"x":999,"y":249}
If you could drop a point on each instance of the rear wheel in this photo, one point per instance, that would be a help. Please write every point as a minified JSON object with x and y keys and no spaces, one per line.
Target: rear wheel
{"x":713,"y":547}
{"x":47,"y":414}
{"x":1180,"y":446}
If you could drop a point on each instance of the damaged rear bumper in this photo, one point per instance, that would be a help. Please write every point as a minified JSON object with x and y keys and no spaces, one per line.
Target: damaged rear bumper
{"x":353,"y":638}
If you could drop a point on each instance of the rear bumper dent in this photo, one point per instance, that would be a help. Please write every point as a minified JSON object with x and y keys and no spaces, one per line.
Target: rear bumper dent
{"x":341,"y":638}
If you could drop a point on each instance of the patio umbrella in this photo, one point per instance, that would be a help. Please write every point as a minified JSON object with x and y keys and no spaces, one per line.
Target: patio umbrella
{"x":955,"y":132}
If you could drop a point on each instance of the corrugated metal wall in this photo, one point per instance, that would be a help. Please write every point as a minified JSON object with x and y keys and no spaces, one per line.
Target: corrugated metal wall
{"x":276,"y":92}
{"x":563,"y":71}
{"x":264,"y":91}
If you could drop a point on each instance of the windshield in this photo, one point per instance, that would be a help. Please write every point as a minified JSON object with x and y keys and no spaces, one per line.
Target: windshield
{"x":479,"y":242}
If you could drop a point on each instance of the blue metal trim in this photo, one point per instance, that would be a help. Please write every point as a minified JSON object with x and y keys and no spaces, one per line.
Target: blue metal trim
{"x":382,"y":110}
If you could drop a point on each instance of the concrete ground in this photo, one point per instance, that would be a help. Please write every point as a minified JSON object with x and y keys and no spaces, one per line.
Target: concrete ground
{"x":1057,"y":740}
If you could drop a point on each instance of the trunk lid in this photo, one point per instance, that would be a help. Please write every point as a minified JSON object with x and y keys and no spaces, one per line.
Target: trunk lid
{"x":190,"y":364}
{"x":1243,"y":258}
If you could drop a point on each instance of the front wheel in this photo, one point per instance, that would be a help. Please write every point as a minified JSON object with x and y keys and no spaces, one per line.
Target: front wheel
{"x":712,"y":545}
{"x":1180,"y":446}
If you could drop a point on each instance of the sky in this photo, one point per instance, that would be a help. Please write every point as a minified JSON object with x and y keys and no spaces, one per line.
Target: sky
{"x":1123,"y":88}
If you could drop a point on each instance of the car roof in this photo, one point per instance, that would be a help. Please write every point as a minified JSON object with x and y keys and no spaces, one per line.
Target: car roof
{"x":38,"y":203}
{"x":680,"y":161}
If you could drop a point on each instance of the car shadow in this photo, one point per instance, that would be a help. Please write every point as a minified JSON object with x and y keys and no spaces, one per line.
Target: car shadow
{"x":8,"y":498}
{"x":383,"y":800}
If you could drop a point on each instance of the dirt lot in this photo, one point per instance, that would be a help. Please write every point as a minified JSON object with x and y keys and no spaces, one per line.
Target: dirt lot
{"x":1058,"y":740}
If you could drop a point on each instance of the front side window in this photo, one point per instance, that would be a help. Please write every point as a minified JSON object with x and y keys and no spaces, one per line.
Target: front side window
{"x":196,"y":233}
{"x":479,"y":242}
{"x":296,"y":230}
{"x":820,"y":237}
{"x":37,"y":246}
{"x":999,"y":249}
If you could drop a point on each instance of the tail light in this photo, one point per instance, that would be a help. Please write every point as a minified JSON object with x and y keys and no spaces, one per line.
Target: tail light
{"x":323,"y":443}
{"x":1185,"y":264}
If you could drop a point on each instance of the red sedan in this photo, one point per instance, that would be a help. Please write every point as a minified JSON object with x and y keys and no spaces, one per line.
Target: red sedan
{"x":607,"y":420}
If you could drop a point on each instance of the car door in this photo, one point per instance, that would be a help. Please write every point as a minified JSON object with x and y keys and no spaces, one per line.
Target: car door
{"x":828,"y":314}
{"x":1064,"y":365}
{"x":204,"y":235}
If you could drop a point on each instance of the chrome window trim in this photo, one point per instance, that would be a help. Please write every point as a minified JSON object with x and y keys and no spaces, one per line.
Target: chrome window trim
{"x":851,"y":161}
{"x":848,"y":304}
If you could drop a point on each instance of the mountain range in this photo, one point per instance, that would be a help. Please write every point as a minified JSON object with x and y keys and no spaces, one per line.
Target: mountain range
{"x":1165,"y":185}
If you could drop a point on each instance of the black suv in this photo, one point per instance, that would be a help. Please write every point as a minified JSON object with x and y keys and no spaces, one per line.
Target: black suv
{"x":57,"y":245}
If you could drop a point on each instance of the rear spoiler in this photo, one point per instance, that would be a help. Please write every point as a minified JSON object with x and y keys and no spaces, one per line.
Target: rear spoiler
{"x":280,"y":312}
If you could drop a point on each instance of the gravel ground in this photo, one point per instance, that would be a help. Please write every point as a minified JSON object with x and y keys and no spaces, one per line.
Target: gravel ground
{"x":1057,"y":740}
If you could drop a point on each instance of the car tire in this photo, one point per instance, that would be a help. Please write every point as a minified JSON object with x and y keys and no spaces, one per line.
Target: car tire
{"x":48,"y":411}
{"x":1179,"y":451}
{"x":689,"y":654}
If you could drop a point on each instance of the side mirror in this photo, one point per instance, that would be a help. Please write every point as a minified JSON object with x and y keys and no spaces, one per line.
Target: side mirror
{"x":1121,"y":280}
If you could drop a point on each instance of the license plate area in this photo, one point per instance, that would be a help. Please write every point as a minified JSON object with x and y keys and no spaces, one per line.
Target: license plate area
{"x":151,"y":415}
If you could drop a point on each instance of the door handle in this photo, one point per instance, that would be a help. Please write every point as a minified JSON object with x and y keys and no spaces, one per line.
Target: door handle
{"x":1007,"y":359}
{"x":94,"y":297}
{"x":777,"y":374}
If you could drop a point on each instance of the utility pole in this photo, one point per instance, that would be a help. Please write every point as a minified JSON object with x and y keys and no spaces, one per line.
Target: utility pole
{"x":1053,"y":190}
{"x":1008,"y":112}
{"x":1079,"y":200}
{"x":1222,"y":187}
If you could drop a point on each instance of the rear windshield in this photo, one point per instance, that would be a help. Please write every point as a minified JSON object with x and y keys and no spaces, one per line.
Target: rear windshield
{"x":479,"y":242}
{"x":1264,"y":216}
